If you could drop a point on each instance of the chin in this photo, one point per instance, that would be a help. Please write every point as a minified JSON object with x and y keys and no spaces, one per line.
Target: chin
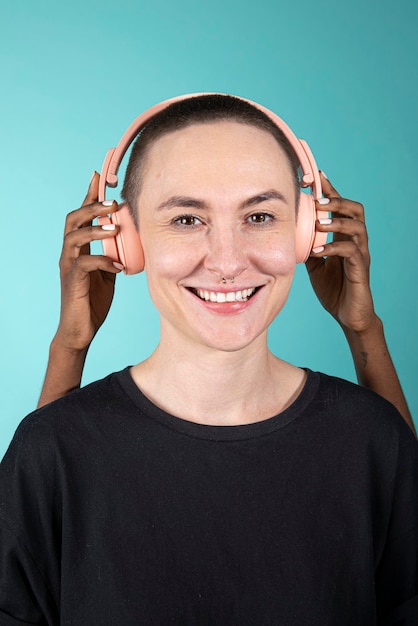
{"x":233,"y":340}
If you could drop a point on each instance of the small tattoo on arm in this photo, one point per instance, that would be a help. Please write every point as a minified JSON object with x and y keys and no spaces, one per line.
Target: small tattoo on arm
{"x":365,"y":357}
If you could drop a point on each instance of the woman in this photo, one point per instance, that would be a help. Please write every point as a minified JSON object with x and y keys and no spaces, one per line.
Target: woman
{"x":340,"y":280}
{"x":212,"y":483}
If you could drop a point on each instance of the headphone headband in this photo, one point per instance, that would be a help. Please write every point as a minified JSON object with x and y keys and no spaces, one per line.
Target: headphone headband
{"x":109,"y":174}
{"x":126,"y":247}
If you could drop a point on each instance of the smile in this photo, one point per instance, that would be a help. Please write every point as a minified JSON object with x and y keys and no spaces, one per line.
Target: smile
{"x":229,"y":296}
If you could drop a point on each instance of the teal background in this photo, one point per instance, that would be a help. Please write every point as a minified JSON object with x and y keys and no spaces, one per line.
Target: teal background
{"x":73,"y":77}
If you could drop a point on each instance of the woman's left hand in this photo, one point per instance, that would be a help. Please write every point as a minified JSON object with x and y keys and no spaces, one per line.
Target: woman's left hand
{"x":339,"y":271}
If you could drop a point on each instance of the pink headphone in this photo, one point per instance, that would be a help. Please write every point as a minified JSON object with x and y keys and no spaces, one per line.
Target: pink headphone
{"x":126,"y":247}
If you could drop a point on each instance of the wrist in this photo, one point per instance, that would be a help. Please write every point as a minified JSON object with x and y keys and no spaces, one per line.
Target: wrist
{"x":64,"y":370}
{"x":58,"y":349}
{"x":372,"y":331}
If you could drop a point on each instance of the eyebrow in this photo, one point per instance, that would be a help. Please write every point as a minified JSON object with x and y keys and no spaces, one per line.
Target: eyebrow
{"x":264,"y":197}
{"x":181,"y":201}
{"x":187,"y":202}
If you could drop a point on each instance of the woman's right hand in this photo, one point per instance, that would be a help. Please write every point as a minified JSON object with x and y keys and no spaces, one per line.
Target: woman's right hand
{"x":87,"y":287}
{"x":87,"y":281}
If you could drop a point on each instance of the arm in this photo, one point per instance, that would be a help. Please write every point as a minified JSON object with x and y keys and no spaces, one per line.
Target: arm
{"x":342,"y":283}
{"x":87,"y":286}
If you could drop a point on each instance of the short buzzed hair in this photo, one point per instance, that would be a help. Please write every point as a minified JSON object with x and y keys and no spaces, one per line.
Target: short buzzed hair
{"x":203,"y":109}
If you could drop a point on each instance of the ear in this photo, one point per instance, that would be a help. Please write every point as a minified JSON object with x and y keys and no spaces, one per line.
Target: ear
{"x":126,"y":247}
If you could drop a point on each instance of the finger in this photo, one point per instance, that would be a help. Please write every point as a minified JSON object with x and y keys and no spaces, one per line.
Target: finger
{"x":347,"y":250}
{"x":342,"y":206}
{"x":93,"y":190}
{"x":82,"y":236}
{"x":87,"y":264}
{"x":91,"y":263}
{"x":343,"y":228}
{"x":84,"y":216}
{"x":327,"y":188}
{"x":76,"y":242}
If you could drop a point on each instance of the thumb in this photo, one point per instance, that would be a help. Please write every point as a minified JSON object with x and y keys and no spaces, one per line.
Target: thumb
{"x":314,"y":265}
{"x":93,"y":190}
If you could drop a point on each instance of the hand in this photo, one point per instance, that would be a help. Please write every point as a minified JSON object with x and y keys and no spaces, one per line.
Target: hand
{"x":87,"y":281}
{"x":339,"y":272}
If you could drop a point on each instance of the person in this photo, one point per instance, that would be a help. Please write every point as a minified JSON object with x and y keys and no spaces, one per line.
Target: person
{"x":87,"y":283}
{"x":213,"y":483}
{"x":341,"y":282}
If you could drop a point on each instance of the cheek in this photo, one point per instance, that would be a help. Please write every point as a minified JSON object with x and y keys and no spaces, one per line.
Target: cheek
{"x":166,"y":258}
{"x":278,"y":256}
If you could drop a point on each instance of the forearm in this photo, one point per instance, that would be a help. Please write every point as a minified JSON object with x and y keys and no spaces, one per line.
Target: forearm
{"x":374,"y":366}
{"x":63,"y":373}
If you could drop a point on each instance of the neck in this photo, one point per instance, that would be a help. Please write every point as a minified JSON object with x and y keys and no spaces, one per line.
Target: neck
{"x":216,"y":387}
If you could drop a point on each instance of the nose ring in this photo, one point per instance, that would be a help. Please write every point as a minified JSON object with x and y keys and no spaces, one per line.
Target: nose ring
{"x":225,"y":279}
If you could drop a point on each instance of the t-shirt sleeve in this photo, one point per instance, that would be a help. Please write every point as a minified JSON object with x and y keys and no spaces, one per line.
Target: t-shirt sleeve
{"x":397,"y":568}
{"x":24,"y":597}
{"x":26,"y":544}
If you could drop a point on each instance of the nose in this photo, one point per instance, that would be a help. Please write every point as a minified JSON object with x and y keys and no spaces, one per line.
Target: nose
{"x":226,"y":253}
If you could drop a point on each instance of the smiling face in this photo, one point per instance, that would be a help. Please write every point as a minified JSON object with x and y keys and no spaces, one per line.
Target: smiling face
{"x":217,"y":200}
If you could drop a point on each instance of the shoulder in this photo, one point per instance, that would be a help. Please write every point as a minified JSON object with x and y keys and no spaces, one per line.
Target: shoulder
{"x":351,"y":399}
{"x":95,"y":397}
{"x":357,"y":413}
{"x":71,"y":418}
{"x":356,"y":429}
{"x":56,"y":445}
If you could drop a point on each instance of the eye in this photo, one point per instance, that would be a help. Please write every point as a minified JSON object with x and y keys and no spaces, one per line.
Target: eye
{"x":260,"y":218}
{"x":187,"y":221}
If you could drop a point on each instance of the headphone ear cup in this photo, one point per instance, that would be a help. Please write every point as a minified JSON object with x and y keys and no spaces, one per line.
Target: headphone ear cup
{"x":307,"y":237}
{"x":305,"y":226}
{"x":126,"y":247}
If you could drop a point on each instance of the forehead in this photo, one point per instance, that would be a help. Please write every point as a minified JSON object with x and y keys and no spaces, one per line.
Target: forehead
{"x":218,"y":153}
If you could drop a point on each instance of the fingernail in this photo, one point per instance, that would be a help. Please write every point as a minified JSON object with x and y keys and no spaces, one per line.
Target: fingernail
{"x":320,"y":201}
{"x":324,"y":175}
{"x":118,"y":265}
{"x":325,"y":220}
{"x":108,"y":227}
{"x":318,"y":249}
{"x":108,"y":202}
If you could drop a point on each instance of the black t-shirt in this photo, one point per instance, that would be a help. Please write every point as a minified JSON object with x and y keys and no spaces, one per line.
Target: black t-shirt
{"x":113,"y":512}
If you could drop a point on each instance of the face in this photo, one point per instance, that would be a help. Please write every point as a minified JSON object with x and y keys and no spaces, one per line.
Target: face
{"x":217,"y":200}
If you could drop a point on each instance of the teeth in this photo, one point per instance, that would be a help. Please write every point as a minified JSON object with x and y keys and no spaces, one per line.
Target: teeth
{"x":230,"y":296}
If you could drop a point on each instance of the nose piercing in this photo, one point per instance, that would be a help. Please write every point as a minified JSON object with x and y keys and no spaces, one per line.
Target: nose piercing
{"x":223,"y":279}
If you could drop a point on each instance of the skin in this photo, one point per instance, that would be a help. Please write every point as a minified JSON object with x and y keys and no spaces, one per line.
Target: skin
{"x":342,"y":284}
{"x":218,"y":186}
{"x":231,"y":185}
{"x":191,"y":330}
